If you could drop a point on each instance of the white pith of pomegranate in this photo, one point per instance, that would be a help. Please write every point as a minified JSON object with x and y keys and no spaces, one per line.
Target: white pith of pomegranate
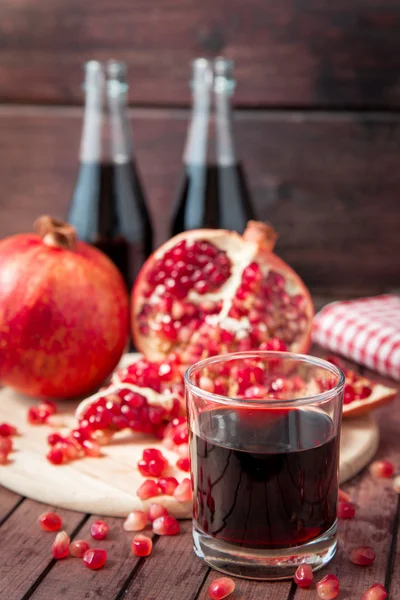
{"x":361,"y":395}
{"x":208,"y":292}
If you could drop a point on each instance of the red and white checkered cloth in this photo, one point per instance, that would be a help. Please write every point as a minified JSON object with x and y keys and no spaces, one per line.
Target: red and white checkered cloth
{"x":365,"y":330}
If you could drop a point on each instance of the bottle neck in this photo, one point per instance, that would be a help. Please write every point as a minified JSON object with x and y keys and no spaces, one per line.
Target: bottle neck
{"x":225,"y":148}
{"x":90,"y":150}
{"x":120,"y":131}
{"x":195,"y":152}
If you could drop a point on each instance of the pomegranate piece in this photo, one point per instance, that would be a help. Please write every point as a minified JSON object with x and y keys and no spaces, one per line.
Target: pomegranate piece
{"x":183,"y":492}
{"x":183,"y":464}
{"x":60,"y":547}
{"x":303,"y":576}
{"x":381,"y":469}
{"x":376,"y":592}
{"x":328,"y":587}
{"x":50,"y":521}
{"x":7,"y":430}
{"x":346,"y":510}
{"x":142,"y":545}
{"x":99,"y":530}
{"x":221,"y":588}
{"x":180,"y":293}
{"x":95,"y":558}
{"x":363,"y":555}
{"x":78,"y":548}
{"x":153,"y":463}
{"x":166,"y":525}
{"x":148,"y":489}
{"x":156,"y":510}
{"x":135,"y":521}
{"x":167,"y":485}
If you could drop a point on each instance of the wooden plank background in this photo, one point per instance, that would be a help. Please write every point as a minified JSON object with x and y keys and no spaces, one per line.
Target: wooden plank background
{"x":317,"y":121}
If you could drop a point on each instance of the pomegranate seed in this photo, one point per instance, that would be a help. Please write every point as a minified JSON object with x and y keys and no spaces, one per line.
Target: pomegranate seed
{"x":346,"y":510}
{"x":99,"y":530}
{"x":6,"y":445}
{"x":221,"y":588}
{"x":166,"y":525}
{"x":37,"y":415}
{"x":396,"y":484}
{"x":183,"y":450}
{"x":167,"y":485}
{"x":365,"y":391}
{"x":3,"y":458}
{"x":142,"y":545}
{"x":156,"y":510}
{"x":183,"y":492}
{"x":49,"y":406}
{"x":50,"y":521}
{"x":363,"y":555}
{"x":78,"y":548}
{"x":54,"y":438}
{"x":303,"y":576}
{"x":6,"y":430}
{"x":95,"y":558}
{"x":55,"y":456}
{"x":183,"y":464}
{"x":148,"y":489}
{"x":328,"y":587}
{"x":376,"y":592}
{"x":381,"y":469}
{"x":91,"y":448}
{"x":349,"y":394}
{"x":153,"y":463}
{"x":135,"y":521}
{"x":60,"y":547}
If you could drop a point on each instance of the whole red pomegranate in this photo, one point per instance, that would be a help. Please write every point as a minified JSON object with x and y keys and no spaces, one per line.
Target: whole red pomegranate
{"x":206,"y":292}
{"x":64,"y":313}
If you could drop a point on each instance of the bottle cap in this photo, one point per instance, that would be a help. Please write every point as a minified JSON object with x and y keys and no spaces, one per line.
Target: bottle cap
{"x":94,"y":74}
{"x":201,"y":72}
{"x":116,"y":75}
{"x":223,"y":71}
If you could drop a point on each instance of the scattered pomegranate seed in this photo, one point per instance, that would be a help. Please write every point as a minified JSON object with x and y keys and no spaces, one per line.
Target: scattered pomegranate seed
{"x":142,"y":545}
{"x":221,"y":588}
{"x":91,"y":448}
{"x":135,"y":521}
{"x":99,"y":530}
{"x":328,"y":587}
{"x":376,"y":592}
{"x":50,"y":521}
{"x":55,"y":456}
{"x":60,"y":547}
{"x":346,"y":510}
{"x":363,"y":555}
{"x":95,"y":558}
{"x":381,"y":469}
{"x":183,"y":464}
{"x":37,"y":415}
{"x":396,"y":484}
{"x":78,"y":548}
{"x":303,"y":576}
{"x":167,"y":485}
{"x":7,"y":430}
{"x":148,"y":489}
{"x":156,"y":510}
{"x":344,"y":496}
{"x":183,"y":492}
{"x":54,"y":438}
{"x":6,"y":445}
{"x":166,"y":525}
{"x":153,"y":463}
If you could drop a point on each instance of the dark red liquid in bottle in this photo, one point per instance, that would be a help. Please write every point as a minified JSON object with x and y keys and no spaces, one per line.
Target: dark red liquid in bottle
{"x":265,"y":479}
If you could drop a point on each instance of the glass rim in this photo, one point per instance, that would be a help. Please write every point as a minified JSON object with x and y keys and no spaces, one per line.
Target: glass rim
{"x":304,"y":358}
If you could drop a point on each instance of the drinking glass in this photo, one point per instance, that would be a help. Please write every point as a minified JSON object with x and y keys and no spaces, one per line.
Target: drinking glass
{"x":264,"y":432}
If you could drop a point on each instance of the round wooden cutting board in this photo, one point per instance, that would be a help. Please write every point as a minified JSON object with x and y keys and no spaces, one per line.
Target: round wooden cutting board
{"x":107,"y":485}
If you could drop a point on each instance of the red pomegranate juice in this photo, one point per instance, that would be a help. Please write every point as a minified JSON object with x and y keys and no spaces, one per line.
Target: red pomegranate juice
{"x":265,"y":478}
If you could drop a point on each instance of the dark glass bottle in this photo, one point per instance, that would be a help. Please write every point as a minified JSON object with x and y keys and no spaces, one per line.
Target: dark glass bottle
{"x":213,"y":191}
{"x":108,"y":207}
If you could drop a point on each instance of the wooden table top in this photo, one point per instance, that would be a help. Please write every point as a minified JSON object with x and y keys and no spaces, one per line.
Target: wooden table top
{"x":173,"y":572}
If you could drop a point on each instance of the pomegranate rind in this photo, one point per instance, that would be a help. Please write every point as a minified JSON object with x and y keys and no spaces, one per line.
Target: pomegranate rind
{"x":256,"y":243}
{"x":380,"y":396}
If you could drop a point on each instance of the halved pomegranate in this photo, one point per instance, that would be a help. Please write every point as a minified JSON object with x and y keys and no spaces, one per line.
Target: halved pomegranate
{"x":207,"y":292}
{"x":361,"y":394}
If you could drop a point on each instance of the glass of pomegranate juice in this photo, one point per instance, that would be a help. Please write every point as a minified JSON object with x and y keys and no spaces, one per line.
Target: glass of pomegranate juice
{"x":264,"y":433}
